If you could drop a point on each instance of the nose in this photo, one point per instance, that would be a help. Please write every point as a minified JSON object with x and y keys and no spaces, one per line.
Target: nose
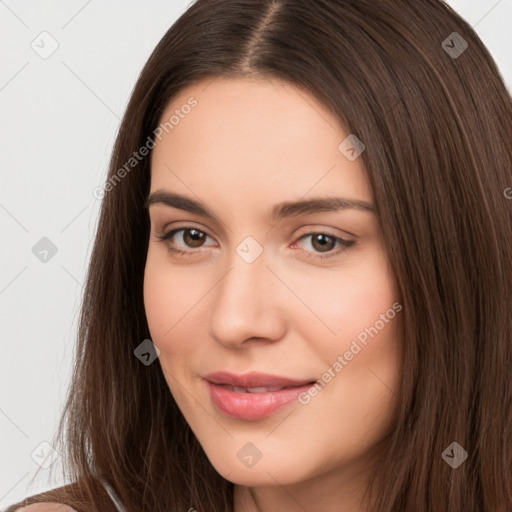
{"x":248,"y":305}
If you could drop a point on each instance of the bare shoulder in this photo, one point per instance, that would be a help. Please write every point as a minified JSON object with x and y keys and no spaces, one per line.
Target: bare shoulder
{"x":46,"y":507}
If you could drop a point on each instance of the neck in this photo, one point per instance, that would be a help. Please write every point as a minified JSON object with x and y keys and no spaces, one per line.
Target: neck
{"x":335,"y":491}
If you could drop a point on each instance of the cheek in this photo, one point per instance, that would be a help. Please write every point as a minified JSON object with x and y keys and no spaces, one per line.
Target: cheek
{"x":172,"y":304}
{"x":350,"y":302}
{"x":159,"y":300}
{"x":367,"y":304}
{"x":365,"y":354}
{"x":168,"y":305}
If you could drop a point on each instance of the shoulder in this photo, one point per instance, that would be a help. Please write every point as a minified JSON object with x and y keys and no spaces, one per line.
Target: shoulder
{"x":78,"y":496}
{"x":46,"y":507}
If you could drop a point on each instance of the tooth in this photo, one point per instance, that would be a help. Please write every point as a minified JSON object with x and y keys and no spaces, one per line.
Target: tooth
{"x":254,"y":390}
{"x":264,"y":390}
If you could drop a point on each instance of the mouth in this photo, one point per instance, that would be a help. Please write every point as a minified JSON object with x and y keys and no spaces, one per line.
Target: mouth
{"x":253,"y":396}
{"x":256,"y":390}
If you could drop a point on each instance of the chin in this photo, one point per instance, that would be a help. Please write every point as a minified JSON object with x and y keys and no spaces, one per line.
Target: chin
{"x":269,"y":471}
{"x":252,"y":477}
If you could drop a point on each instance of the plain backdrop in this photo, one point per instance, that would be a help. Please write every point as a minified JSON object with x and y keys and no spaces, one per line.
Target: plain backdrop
{"x":67,"y":70}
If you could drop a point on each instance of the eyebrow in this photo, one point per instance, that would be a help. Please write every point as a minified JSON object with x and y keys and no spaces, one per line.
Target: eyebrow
{"x":279,"y":211}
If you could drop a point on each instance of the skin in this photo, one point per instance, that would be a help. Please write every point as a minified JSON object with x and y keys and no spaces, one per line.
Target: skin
{"x":248,"y":145}
{"x":47,"y":507}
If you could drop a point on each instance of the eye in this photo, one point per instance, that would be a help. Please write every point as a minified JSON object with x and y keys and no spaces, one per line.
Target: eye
{"x":324,"y":242}
{"x":192,"y":237}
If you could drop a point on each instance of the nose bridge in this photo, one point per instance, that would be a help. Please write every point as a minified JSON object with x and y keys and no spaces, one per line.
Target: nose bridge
{"x":246,"y":300}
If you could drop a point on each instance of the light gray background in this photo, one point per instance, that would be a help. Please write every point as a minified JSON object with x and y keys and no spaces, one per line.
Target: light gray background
{"x":59,"y":118}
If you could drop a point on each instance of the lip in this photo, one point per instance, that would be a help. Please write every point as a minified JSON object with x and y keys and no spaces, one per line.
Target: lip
{"x":253,"y":406}
{"x":254,"y":380}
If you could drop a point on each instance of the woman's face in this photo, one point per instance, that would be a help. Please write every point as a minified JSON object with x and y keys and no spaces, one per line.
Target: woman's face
{"x":270,"y":283}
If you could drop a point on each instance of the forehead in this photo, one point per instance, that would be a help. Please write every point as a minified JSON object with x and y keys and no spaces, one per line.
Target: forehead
{"x":260,"y":137}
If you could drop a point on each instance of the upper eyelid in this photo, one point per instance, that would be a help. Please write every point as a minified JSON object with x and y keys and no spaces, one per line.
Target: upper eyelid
{"x":154,"y":219}
{"x":310,"y":232}
{"x":184,"y":228}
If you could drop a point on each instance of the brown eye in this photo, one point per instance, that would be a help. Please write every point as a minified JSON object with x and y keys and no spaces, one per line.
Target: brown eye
{"x":191,"y":238}
{"x":195,"y":238}
{"x":323,"y":243}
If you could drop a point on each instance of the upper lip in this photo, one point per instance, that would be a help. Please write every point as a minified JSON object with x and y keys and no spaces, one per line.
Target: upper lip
{"x":254,"y":380}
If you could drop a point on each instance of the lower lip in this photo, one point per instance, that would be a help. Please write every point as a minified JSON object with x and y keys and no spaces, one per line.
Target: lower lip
{"x":253,"y":406}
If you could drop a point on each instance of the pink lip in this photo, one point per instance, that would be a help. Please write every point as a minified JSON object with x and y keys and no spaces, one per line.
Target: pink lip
{"x":253,"y":406}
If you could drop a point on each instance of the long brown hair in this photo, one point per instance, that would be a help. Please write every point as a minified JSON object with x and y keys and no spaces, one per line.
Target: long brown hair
{"x":436,"y":119}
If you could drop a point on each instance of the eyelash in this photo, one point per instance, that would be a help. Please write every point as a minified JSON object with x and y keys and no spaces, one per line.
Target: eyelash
{"x":346,"y":244}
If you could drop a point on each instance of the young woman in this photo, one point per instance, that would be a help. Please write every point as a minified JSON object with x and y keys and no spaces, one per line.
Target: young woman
{"x":299,"y":294}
